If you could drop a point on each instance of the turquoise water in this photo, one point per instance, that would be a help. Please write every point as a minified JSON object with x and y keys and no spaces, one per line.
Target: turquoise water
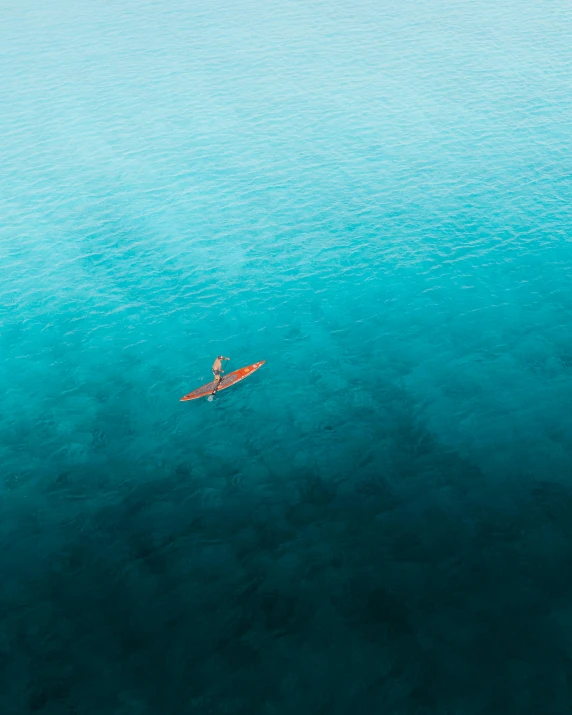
{"x":375,"y":198}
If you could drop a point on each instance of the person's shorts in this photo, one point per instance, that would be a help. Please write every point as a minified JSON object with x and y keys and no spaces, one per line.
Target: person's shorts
{"x":216,"y":372}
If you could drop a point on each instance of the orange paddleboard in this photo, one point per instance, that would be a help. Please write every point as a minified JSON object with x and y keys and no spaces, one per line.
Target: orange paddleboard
{"x":227,"y":381}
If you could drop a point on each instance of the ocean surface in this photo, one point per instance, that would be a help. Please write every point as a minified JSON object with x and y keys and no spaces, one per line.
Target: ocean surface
{"x":376,"y":199}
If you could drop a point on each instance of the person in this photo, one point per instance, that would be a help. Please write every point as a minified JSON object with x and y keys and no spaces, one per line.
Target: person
{"x":218,"y":371}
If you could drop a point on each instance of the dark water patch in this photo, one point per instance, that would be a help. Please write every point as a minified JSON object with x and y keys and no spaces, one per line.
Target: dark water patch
{"x":438,"y":598}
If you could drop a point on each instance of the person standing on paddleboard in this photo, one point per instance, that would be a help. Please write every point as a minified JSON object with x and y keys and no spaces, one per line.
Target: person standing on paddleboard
{"x":218,"y":371}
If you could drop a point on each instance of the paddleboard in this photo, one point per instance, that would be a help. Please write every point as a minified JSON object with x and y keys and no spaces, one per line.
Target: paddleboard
{"x":227,"y":380}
